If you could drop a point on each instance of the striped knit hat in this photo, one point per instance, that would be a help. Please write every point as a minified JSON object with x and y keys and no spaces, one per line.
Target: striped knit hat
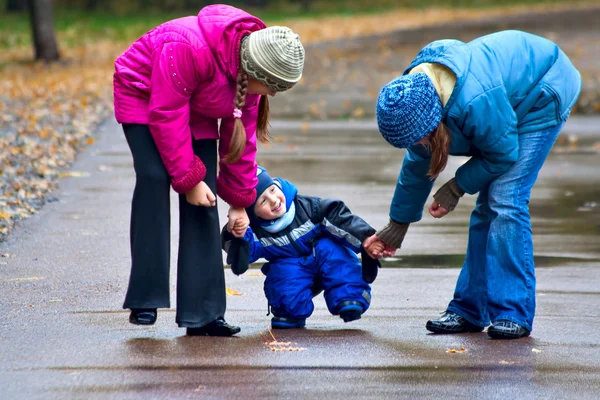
{"x":273,"y":56}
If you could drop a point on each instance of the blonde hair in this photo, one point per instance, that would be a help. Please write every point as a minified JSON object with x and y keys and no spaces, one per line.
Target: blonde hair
{"x":439,"y":144}
{"x":238,"y":137}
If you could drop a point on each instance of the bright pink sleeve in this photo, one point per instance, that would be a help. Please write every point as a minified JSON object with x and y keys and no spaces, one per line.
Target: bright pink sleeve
{"x":174,"y":78}
{"x":237,"y":181}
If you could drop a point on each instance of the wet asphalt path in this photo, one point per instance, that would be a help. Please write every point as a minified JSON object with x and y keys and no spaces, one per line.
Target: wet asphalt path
{"x":63,"y":334}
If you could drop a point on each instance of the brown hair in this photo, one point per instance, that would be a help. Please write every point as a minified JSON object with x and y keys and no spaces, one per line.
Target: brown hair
{"x":439,"y":144}
{"x":238,"y":137}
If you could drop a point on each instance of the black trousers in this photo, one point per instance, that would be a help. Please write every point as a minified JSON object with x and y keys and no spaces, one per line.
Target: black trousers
{"x":200,"y":272}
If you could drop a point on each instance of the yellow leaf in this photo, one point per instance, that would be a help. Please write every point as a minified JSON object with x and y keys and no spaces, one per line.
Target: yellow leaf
{"x":3,"y":215}
{"x":89,"y":141}
{"x":255,"y":274}
{"x":358,"y":112}
{"x":233,"y":292}
{"x":73,"y":174}
{"x":44,"y":134}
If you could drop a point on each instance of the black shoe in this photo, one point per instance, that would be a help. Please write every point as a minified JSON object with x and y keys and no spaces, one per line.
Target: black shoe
{"x":451,"y":323}
{"x":504,"y":329}
{"x":216,"y":328}
{"x":143,"y":316}
{"x":350,"y":310}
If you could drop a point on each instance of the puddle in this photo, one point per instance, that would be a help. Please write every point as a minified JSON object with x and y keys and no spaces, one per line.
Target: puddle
{"x":443,"y":261}
{"x":456,"y":261}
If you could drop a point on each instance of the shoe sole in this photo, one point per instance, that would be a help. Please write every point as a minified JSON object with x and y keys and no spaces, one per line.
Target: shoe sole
{"x":434,"y":329}
{"x":225,"y":334}
{"x":136,"y":321}
{"x":285,"y":325}
{"x":503,"y":335}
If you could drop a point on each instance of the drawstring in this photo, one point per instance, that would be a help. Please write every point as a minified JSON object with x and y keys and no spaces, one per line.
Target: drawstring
{"x":268,"y":309}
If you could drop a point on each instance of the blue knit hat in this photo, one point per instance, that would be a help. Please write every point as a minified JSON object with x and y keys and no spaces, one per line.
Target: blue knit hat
{"x":408,"y":109}
{"x":264,"y":182}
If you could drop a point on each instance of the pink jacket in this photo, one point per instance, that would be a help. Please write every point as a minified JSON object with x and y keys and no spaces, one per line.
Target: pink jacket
{"x":179,"y":79}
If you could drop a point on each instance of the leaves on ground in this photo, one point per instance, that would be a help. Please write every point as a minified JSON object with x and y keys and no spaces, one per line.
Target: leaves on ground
{"x":233,"y":292}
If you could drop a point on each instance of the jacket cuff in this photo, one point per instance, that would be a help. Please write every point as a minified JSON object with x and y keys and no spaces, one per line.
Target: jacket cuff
{"x":191,"y":179}
{"x":449,"y":194}
{"x":393,"y":233}
{"x":233,"y":198}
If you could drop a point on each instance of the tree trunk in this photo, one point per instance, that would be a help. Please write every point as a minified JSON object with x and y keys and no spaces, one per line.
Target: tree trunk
{"x":42,"y":24}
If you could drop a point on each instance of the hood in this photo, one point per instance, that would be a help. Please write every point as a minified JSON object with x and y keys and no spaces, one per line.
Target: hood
{"x":223,"y":28}
{"x":289,"y":191}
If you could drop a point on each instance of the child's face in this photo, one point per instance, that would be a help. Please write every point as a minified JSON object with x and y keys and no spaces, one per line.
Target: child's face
{"x":271,"y":204}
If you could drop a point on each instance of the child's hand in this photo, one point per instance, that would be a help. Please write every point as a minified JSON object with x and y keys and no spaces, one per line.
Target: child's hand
{"x":239,"y":228}
{"x":201,"y":195}
{"x":377,"y":248}
{"x":238,"y":221}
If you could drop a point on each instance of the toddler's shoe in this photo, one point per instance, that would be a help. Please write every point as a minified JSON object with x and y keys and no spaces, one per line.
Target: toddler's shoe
{"x":350,"y":310}
{"x":143,"y":316}
{"x":287,"y":323}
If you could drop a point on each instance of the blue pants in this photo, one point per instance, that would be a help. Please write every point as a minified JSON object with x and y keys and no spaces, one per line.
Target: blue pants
{"x":290,"y":283}
{"x":497,"y":280}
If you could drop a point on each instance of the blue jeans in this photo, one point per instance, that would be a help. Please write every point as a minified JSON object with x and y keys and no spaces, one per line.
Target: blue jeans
{"x":497,"y":280}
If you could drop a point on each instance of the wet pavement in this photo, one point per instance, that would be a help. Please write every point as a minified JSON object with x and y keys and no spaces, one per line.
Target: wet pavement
{"x":63,"y":333}
{"x":342,"y":78}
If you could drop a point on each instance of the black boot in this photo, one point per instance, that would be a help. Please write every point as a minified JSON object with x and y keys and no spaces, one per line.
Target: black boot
{"x":350,"y":310}
{"x":143,"y":316}
{"x":451,"y":323}
{"x":504,"y":329}
{"x":216,"y":328}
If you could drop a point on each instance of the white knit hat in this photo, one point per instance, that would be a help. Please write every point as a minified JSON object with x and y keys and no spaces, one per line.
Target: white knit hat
{"x":273,"y":56}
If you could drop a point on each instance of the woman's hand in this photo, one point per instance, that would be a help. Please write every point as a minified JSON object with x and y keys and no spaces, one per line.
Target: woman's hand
{"x":436,"y":210}
{"x":201,"y":195}
{"x":237,"y":221}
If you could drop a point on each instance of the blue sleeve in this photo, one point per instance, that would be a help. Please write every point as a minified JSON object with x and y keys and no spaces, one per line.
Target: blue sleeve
{"x":413,"y":186}
{"x":491,"y":121}
{"x":256,"y":248}
{"x":338,"y":221}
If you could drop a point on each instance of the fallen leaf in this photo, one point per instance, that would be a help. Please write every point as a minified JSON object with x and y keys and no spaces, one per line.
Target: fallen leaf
{"x":536,"y":351}
{"x":73,"y":174}
{"x":358,"y":112}
{"x":461,"y":350}
{"x":33,"y":278}
{"x":233,"y":292}
{"x":255,"y":274}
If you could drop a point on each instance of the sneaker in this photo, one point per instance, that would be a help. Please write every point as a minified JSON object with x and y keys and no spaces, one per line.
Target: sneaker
{"x":143,"y":316}
{"x":504,"y":329}
{"x":452,"y":323}
{"x":216,"y":328}
{"x":350,"y":310}
{"x":287,"y":323}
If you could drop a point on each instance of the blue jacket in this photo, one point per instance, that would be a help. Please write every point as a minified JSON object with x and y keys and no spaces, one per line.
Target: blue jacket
{"x":314,"y":218}
{"x":507,"y":83}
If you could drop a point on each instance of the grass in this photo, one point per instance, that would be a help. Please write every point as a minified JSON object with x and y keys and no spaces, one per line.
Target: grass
{"x":76,"y":27}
